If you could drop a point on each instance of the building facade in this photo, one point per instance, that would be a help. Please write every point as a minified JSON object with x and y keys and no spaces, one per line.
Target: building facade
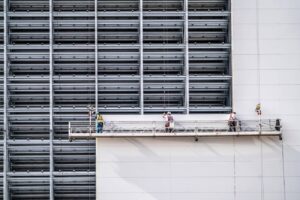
{"x":129,"y":58}
{"x":266,"y":69}
{"x":122,"y":57}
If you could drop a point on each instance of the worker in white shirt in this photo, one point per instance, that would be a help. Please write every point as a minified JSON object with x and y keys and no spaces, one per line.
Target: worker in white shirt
{"x":169,"y":122}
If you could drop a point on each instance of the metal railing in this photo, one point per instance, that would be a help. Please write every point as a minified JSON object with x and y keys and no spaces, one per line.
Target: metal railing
{"x":119,"y":127}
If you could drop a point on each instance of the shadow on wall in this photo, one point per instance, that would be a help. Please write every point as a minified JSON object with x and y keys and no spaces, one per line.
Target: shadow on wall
{"x":159,"y":168}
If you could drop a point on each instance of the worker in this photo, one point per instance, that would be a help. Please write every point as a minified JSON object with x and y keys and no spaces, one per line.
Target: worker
{"x":258,"y":109}
{"x":99,"y":123}
{"x":91,"y":113}
{"x":169,"y":122}
{"x":232,"y":122}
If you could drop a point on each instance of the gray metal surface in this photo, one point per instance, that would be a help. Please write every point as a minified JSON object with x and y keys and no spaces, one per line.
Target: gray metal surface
{"x":139,"y":56}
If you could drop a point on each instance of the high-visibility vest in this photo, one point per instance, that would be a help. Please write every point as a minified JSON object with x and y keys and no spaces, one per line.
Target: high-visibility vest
{"x":100,"y":119}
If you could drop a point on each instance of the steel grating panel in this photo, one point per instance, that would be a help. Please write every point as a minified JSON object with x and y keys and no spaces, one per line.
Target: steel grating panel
{"x":138,"y":56}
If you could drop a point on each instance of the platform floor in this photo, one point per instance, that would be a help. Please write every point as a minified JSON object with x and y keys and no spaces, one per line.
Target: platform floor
{"x":175,"y":134}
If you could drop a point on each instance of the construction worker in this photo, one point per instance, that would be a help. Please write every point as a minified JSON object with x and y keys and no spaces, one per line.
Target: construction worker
{"x":169,"y":122}
{"x":165,"y":116}
{"x":99,"y":123}
{"x":258,"y":109}
{"x":232,"y":122}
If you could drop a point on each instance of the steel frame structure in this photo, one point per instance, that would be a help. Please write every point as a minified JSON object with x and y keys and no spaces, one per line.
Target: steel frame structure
{"x":138,"y":56}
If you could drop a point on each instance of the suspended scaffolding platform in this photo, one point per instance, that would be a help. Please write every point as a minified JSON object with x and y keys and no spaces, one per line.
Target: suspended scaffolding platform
{"x":194,"y":128}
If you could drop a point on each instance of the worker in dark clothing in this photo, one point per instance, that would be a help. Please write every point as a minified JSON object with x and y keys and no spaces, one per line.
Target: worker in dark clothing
{"x":232,"y":122}
{"x":258,"y":109}
{"x":165,"y":116}
{"x":171,"y":122}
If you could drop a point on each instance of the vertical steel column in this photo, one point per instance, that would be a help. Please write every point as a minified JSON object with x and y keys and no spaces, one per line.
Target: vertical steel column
{"x":186,"y":56}
{"x":5,"y":103}
{"x":141,"y":58}
{"x":51,"y":167}
{"x":96,"y":55}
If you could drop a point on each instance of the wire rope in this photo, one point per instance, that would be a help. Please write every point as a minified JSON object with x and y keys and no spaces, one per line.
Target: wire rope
{"x":164,"y":55}
{"x":259,"y":99}
{"x":91,"y":91}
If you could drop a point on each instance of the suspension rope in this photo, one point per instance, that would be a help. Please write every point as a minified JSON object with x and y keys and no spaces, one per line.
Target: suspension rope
{"x":166,"y":70}
{"x":258,"y":65}
{"x":91,"y":91}
{"x":261,"y":167}
{"x":168,"y":63}
{"x":259,"y":99}
{"x":283,"y":170}
{"x":234,"y":167}
{"x":164,"y":49}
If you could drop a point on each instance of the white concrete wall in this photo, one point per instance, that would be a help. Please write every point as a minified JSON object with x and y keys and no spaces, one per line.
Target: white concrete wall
{"x":266,"y":60}
{"x":266,"y":68}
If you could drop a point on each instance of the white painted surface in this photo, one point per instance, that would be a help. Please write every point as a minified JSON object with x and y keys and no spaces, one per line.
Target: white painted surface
{"x":266,"y":36}
{"x":156,"y":117}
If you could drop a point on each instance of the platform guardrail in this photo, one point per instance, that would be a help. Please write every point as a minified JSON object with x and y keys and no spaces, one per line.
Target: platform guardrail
{"x":181,"y":128}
